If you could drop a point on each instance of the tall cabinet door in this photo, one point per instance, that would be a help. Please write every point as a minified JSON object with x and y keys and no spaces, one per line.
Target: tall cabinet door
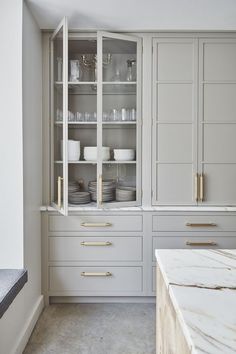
{"x":174,"y":153}
{"x":217,"y":121}
{"x":59,"y":113}
{"x":119,"y":119}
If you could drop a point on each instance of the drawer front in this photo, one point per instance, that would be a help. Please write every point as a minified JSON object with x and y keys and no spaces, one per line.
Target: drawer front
{"x":95,"y":279}
{"x":91,"y":223}
{"x":192,"y":242}
{"x":107,"y":248}
{"x":194,"y":223}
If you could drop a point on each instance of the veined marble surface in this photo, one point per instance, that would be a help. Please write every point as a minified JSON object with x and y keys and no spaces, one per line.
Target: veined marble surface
{"x":202,"y":287}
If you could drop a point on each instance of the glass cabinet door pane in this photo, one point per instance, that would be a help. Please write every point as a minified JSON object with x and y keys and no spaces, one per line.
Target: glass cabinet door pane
{"x":59,"y":111}
{"x":121,"y":143}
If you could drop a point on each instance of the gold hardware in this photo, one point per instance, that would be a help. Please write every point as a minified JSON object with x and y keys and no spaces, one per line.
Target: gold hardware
{"x":96,"y":224}
{"x":208,"y":224}
{"x":100,"y":190}
{"x":201,"y":243}
{"x":196,"y":187}
{"x":92,"y":274}
{"x":59,"y":179}
{"x":201,"y":187}
{"x":107,"y":243}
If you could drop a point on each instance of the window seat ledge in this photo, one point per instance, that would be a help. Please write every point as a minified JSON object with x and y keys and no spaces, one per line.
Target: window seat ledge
{"x":11,"y":282}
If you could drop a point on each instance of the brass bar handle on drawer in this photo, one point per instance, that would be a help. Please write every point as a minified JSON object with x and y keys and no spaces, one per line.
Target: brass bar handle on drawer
{"x":96,"y":274}
{"x":59,"y":179}
{"x":207,"y":224}
{"x":196,"y":187}
{"x":96,"y":224}
{"x":106,"y":243}
{"x":201,"y":243}
{"x":201,"y":192}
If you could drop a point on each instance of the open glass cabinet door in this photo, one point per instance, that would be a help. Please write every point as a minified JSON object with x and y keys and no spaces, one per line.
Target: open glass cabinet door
{"x":119,"y":119}
{"x":59,"y":117}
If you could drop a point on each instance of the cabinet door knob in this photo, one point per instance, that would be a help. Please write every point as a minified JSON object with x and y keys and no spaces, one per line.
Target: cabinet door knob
{"x":96,"y":274}
{"x":201,"y":243}
{"x":90,"y":243}
{"x":96,"y":224}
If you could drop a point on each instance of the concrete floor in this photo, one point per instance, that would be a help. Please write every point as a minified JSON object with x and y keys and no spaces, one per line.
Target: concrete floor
{"x":94,"y":329}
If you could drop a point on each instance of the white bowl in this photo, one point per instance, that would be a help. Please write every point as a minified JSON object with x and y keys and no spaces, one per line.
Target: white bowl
{"x":124,"y":154}
{"x":73,"y":150}
{"x":90,"y":153}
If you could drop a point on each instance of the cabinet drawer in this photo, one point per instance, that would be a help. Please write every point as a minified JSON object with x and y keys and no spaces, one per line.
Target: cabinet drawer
{"x":107,"y":248}
{"x":192,"y":242}
{"x":194,"y":223}
{"x":95,"y":279}
{"x":91,"y":223}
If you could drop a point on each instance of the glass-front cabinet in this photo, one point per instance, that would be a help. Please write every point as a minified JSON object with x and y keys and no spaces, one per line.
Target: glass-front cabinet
{"x":95,"y":120}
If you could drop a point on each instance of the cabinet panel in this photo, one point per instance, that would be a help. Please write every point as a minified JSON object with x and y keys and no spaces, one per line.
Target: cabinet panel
{"x":96,"y":223}
{"x":174,"y":143}
{"x":175,"y":61}
{"x":219,"y":60}
{"x":219,"y":102}
{"x":174,"y":102}
{"x":219,"y":143}
{"x":174,"y":183}
{"x":219,"y":184}
{"x":121,"y":279}
{"x":107,"y":248}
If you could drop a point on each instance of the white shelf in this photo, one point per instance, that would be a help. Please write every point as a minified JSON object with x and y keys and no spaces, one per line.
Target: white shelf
{"x":119,"y":82}
{"x":95,"y":162}
{"x":118,"y":162}
{"x":95,"y":123}
{"x":76,"y":83}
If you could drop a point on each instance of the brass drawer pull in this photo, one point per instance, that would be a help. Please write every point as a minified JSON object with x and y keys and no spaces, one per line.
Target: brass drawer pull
{"x":201,"y":243}
{"x":92,"y":274}
{"x":201,"y":197}
{"x":95,"y":224}
{"x":196,"y":186}
{"x":207,"y":224}
{"x":85,"y":243}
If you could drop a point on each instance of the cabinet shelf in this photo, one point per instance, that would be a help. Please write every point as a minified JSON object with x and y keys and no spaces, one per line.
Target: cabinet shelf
{"x":95,"y":162}
{"x":95,"y":123}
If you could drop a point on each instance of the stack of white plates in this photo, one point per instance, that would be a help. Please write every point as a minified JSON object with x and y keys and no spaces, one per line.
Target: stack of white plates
{"x":79,"y":198}
{"x":108,"y":190}
{"x":125,"y":194}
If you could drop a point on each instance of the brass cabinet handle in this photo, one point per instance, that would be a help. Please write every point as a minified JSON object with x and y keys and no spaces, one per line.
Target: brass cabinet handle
{"x":201,"y":192}
{"x":100,"y":190}
{"x":201,"y":243}
{"x":207,"y":224}
{"x":106,"y":243}
{"x":96,"y":274}
{"x":196,"y":187}
{"x":96,"y":224}
{"x":59,"y":179}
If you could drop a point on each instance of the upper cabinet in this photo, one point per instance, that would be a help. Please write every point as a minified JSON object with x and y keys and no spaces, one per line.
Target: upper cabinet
{"x":95,"y":120}
{"x":194,"y":121}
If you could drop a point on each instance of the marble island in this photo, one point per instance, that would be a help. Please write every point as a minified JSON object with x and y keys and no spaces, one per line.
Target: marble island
{"x":196,"y":301}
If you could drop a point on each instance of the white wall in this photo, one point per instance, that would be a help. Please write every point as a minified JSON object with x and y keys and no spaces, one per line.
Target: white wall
{"x":20,"y":155}
{"x":11,"y":150}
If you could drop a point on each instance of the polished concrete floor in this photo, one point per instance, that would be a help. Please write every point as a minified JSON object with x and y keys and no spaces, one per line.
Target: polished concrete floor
{"x":94,"y":329}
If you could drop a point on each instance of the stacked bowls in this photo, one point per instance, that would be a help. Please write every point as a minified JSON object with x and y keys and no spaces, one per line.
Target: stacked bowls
{"x":124,"y":154}
{"x":73,"y":150}
{"x":91,"y":153}
{"x":125,"y":194}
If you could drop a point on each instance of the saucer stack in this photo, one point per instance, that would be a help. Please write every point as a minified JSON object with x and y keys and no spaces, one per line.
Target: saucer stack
{"x":125,"y":194}
{"x":75,"y":196}
{"x":108,"y":190}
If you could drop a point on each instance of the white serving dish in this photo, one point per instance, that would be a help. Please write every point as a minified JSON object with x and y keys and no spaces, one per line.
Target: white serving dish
{"x":124,"y":154}
{"x":90,"y":153}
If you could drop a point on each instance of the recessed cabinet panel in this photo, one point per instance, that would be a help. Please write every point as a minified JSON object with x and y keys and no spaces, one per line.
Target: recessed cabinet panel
{"x":174,"y":143}
{"x":174,"y":183}
{"x":220,"y":143}
{"x":219,"y":60}
{"x":219,"y":102}
{"x":175,"y":61}
{"x":174,"y":102}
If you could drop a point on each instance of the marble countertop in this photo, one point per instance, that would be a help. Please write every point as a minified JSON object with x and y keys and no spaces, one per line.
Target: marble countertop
{"x":202,"y":287}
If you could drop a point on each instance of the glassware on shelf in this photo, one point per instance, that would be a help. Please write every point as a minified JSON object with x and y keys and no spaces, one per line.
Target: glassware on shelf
{"x":131,"y":70}
{"x":59,"y":69}
{"x":75,"y":71}
{"x":117,"y":76}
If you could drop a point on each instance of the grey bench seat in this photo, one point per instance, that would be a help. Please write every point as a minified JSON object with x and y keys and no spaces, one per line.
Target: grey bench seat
{"x":11,"y":282}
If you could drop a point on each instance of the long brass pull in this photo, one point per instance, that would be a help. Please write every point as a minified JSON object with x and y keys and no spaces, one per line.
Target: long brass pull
{"x":100,"y":190}
{"x":85,"y":243}
{"x":96,"y":224}
{"x":196,"y":187}
{"x":201,"y":193}
{"x":96,"y":274}
{"x":208,"y":224}
{"x":59,"y":179}
{"x":201,"y":243}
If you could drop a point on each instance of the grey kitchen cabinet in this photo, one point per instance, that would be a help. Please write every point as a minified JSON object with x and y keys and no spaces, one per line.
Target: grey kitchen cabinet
{"x":194,"y":121}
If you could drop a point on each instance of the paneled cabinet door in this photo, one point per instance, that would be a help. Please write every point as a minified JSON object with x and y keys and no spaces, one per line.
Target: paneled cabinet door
{"x":217,"y":120}
{"x":174,"y":151}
